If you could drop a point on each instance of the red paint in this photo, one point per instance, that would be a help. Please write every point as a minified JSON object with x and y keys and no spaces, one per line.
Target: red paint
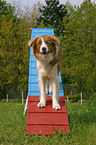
{"x":46,"y":120}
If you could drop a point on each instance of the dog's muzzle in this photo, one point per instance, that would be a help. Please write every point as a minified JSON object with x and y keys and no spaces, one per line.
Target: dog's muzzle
{"x":44,"y":52}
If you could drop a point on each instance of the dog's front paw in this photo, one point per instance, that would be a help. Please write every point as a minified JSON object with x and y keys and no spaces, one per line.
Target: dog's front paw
{"x":56,"y":106}
{"x":41,"y":104}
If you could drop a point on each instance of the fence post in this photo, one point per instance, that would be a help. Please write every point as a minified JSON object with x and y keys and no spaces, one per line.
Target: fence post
{"x":22,"y":98}
{"x":7,"y":98}
{"x":25,"y":105}
{"x":67,"y":99}
{"x":81,"y":98}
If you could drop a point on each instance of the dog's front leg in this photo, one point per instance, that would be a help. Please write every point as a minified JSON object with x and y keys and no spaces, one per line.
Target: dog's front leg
{"x":56,"y":93}
{"x":42,"y":88}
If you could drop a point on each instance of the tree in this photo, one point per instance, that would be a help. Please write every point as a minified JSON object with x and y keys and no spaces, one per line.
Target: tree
{"x":53,"y":14}
{"x":79,"y":48}
{"x":6,"y":10}
{"x":69,"y":7}
{"x":14,"y":51}
{"x":8,"y":20}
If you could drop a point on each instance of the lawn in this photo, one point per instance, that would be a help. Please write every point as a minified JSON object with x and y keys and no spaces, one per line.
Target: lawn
{"x":82,"y":121}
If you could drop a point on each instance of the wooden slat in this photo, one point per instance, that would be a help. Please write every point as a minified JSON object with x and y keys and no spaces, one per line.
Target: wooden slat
{"x":48,"y":98}
{"x":46,"y":129}
{"x":47,"y":118}
{"x":32,"y":107}
{"x":33,"y":101}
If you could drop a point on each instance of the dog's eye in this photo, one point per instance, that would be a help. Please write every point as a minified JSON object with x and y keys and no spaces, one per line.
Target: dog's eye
{"x":38,"y":43}
{"x":48,"y":42}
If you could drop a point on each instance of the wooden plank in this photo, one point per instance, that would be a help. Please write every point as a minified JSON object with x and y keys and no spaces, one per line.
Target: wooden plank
{"x":33,"y":93}
{"x":32,"y":107}
{"x":33,"y":79}
{"x":42,"y":31}
{"x":46,"y":129}
{"x":32,"y":64}
{"x":48,"y":98}
{"x":46,"y":118}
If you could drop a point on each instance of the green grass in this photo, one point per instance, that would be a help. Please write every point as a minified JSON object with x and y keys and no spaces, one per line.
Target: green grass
{"x":82,"y":121}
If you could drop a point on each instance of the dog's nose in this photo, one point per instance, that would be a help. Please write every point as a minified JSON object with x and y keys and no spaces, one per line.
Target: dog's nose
{"x":43,"y":48}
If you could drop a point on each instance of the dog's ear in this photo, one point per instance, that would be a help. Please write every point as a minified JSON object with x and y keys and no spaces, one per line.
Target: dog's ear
{"x":56,"y":42}
{"x":55,"y":39}
{"x":58,"y":56}
{"x":32,"y":42}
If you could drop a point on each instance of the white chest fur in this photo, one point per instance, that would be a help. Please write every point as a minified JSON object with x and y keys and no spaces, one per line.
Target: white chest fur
{"x":44,"y":69}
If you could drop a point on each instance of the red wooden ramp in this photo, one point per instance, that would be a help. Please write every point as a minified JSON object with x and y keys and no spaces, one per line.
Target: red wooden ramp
{"x":45,"y":121}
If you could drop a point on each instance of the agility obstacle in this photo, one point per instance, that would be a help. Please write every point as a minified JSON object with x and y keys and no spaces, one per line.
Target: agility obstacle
{"x":44,"y":121}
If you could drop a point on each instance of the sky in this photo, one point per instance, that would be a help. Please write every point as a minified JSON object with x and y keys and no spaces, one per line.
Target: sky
{"x":30,"y":3}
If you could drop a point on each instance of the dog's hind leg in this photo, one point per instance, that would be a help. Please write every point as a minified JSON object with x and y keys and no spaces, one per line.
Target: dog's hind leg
{"x":50,"y":88}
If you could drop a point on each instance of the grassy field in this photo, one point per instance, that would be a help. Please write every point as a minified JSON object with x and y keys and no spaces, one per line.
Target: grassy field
{"x":82,"y":121}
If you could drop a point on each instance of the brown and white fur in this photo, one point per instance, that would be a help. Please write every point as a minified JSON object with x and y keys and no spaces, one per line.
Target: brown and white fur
{"x":47,"y":52}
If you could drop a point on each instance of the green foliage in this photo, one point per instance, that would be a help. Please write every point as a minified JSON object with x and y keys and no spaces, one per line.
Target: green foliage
{"x":14,"y":50}
{"x":8,"y":42}
{"x":52,"y":14}
{"x":6,"y":10}
{"x":79,"y":48}
{"x":14,"y":53}
{"x":93,"y":96}
{"x":69,"y":7}
{"x":9,"y":54}
{"x":74,"y":98}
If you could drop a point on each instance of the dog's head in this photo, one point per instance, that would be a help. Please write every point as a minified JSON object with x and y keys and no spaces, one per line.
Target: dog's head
{"x":47,"y":48}
{"x":44,"y":45}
